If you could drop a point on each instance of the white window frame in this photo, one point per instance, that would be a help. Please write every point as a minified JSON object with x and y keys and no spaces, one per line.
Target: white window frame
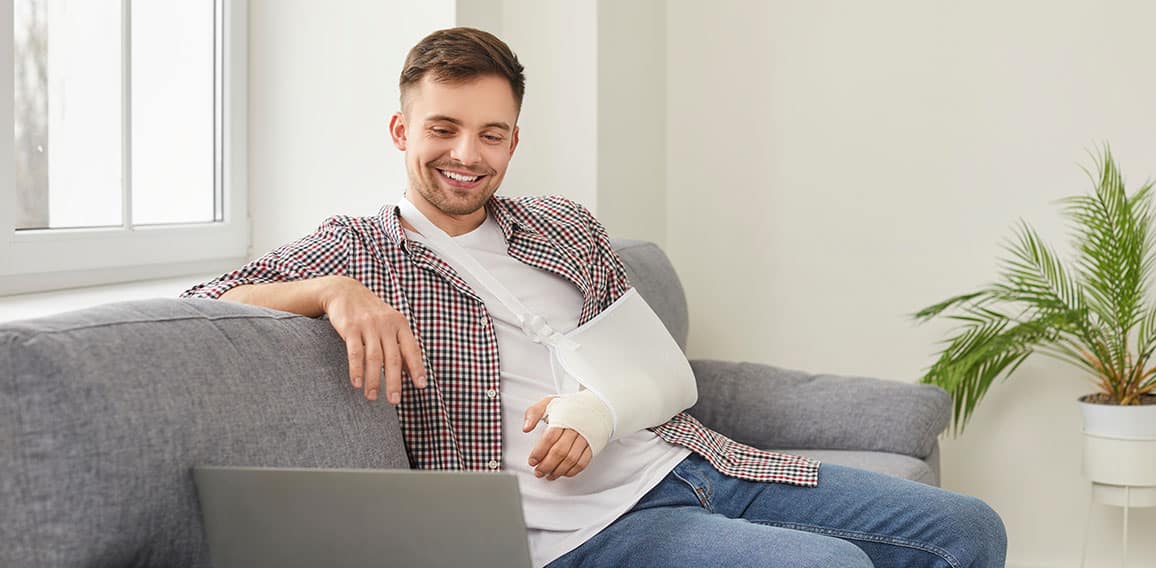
{"x":51,"y":259}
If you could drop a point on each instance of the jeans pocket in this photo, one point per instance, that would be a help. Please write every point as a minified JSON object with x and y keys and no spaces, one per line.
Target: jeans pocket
{"x":688,"y":471}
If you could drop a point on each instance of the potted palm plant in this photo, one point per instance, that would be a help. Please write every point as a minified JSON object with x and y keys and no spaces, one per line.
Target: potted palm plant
{"x":1095,"y":314}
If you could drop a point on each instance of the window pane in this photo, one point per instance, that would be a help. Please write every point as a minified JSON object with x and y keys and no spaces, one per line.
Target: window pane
{"x":173,"y":125}
{"x":68,"y":113}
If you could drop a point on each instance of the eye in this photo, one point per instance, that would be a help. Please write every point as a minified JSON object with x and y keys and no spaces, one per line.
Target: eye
{"x":441,"y":131}
{"x":492,"y":138}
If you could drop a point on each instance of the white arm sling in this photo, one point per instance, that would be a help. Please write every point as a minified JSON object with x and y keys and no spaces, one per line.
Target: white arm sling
{"x":624,"y":355}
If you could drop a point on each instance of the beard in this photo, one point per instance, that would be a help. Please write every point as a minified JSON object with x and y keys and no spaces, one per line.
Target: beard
{"x":433,"y":187}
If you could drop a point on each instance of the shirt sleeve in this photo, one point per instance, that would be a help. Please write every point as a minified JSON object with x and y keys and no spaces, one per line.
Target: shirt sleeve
{"x":323,"y":253}
{"x":611,"y":266}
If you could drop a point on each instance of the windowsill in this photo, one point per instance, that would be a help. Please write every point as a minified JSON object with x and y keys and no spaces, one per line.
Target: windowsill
{"x":27,"y":306}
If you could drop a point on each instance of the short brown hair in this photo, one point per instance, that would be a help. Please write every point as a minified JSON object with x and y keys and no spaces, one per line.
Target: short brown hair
{"x":459,"y":55}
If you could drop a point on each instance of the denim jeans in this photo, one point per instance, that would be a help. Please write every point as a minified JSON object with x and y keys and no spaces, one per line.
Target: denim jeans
{"x":699,"y":517}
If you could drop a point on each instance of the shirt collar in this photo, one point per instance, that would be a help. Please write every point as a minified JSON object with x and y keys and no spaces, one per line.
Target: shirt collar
{"x":498,"y":208}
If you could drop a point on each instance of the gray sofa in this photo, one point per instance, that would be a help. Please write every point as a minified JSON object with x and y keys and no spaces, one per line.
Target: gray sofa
{"x":104,"y":410}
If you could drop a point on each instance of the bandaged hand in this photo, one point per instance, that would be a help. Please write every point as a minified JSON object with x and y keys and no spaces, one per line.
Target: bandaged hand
{"x":580,"y":427}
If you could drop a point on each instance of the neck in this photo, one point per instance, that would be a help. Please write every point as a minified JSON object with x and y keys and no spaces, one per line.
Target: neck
{"x":453,"y":225}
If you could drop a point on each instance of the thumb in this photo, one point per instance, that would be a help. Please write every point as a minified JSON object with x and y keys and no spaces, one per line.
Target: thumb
{"x":535,"y":413}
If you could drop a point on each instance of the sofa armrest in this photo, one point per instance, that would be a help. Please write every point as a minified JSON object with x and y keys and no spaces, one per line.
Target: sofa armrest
{"x":772,"y":408}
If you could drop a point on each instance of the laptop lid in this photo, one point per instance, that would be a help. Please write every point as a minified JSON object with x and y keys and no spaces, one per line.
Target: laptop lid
{"x":346,"y":517}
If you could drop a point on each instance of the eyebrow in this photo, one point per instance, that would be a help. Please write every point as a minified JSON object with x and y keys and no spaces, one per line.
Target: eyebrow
{"x":452,"y":120}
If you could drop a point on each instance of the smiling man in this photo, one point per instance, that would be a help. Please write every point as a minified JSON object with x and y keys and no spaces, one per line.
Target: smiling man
{"x":422,"y":293}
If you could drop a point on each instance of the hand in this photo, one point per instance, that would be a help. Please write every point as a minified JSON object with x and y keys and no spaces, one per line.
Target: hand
{"x":561,"y":452}
{"x":376,"y":336}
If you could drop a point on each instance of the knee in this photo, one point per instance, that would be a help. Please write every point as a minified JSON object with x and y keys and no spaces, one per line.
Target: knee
{"x":983,"y":531}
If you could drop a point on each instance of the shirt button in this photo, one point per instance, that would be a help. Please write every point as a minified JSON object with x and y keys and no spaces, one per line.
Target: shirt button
{"x":493,"y":464}
{"x":491,"y":393}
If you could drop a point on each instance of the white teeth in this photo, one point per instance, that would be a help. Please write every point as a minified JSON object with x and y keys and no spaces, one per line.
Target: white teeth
{"x":459,"y":177}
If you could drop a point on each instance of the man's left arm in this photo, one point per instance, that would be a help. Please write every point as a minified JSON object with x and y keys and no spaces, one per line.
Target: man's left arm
{"x":581,"y":424}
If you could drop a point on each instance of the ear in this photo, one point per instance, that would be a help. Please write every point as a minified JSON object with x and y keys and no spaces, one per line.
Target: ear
{"x":514,"y":141}
{"x":397,"y":130}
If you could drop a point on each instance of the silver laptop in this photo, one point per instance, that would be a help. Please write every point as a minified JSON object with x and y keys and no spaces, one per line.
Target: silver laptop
{"x":352,"y":517}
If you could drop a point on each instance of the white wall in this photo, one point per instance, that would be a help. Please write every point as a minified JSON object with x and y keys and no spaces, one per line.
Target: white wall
{"x":322,"y":87}
{"x":556,"y":43}
{"x":834,"y":166}
{"x":632,"y":118}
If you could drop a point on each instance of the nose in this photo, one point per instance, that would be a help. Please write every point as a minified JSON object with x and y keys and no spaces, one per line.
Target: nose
{"x":466,"y":151}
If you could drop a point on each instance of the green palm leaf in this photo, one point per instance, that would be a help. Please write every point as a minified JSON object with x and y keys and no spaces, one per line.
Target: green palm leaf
{"x":1086,"y":316}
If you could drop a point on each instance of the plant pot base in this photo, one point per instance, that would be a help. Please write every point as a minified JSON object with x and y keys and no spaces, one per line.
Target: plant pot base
{"x":1114,"y":461}
{"x":1117,"y":496}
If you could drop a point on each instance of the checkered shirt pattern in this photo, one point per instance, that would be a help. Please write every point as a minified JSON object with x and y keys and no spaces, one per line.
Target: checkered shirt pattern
{"x":452,"y":424}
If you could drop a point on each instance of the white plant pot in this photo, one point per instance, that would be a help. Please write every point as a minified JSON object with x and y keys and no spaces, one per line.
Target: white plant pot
{"x":1120,"y":444}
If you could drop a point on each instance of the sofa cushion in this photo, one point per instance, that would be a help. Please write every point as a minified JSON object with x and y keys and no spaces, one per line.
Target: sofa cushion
{"x":773,"y":407}
{"x":103,"y":412}
{"x":897,"y":465}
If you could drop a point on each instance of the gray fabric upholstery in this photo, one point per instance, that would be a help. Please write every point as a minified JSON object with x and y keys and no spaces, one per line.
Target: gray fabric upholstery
{"x":770,"y":407}
{"x":105,"y":410}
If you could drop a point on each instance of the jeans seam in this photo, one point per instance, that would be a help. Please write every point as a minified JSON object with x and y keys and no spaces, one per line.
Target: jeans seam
{"x":884,"y":539}
{"x":702,"y":496}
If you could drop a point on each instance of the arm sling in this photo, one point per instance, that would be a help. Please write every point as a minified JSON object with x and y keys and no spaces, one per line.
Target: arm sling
{"x":624,"y":355}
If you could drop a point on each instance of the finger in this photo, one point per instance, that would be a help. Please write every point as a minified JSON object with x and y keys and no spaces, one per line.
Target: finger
{"x":392,"y":369}
{"x":535,"y":413}
{"x":544,"y":444}
{"x":571,"y":460}
{"x":411,"y":353}
{"x":557,"y":454}
{"x":373,"y":362}
{"x":356,"y":351}
{"x":587,"y":455}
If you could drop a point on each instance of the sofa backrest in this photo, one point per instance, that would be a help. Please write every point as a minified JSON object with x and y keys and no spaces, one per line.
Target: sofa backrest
{"x":104,"y":411}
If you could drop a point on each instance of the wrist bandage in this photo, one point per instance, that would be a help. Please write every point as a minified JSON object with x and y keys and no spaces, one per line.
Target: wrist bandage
{"x":584,"y":413}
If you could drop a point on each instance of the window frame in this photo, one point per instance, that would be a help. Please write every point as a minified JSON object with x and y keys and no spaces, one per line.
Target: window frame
{"x":52,"y":259}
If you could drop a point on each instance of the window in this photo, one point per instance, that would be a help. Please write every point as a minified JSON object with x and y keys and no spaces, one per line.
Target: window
{"x":126,"y":158}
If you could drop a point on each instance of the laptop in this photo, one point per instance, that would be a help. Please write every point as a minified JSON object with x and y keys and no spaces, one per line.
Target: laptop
{"x":353,"y":517}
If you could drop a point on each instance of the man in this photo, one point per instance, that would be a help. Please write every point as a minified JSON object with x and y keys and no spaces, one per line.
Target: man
{"x":675,"y":494}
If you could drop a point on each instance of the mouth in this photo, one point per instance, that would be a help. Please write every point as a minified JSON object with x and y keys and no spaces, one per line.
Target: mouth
{"x":460,"y":180}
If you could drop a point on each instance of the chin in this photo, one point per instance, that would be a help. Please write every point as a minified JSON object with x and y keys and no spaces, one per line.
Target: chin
{"x":455,"y":203}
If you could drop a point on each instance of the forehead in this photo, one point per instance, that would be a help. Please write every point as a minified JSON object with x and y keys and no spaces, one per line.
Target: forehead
{"x":486,"y":99}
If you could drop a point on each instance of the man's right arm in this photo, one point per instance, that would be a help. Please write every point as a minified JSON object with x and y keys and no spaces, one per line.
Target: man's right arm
{"x":376,"y":335}
{"x":306,"y":277}
{"x":305,"y":297}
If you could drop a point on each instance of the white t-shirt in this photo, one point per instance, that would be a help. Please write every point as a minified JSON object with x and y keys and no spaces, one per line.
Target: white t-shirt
{"x":563,"y":513}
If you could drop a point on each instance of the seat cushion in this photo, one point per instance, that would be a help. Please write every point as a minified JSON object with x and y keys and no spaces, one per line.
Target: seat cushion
{"x":898,"y":465}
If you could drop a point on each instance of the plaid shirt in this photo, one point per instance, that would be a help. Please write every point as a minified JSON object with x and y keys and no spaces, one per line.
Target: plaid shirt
{"x":453,"y":423}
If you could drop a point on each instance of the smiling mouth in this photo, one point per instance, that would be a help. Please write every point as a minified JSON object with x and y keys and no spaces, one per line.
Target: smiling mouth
{"x":460,"y":180}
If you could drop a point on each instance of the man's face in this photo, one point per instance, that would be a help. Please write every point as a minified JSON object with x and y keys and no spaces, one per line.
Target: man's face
{"x":458,"y":140}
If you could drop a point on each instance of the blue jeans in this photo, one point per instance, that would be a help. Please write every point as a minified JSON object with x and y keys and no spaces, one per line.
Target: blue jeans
{"x":699,"y":517}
